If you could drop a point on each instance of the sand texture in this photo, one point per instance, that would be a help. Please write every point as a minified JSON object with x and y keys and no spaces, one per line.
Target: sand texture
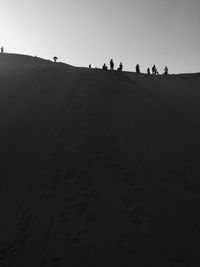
{"x":97,"y":168}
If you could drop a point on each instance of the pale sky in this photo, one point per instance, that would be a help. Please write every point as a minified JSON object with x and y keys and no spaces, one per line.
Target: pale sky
{"x":80,"y":32}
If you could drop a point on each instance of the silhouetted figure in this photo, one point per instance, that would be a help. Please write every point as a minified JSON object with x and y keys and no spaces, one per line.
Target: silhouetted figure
{"x":55,"y":59}
{"x":137,"y":68}
{"x":90,"y":66}
{"x":120,"y":67}
{"x":2,"y":50}
{"x":166,"y":70}
{"x":104,"y":67}
{"x":111,"y":64}
{"x":148,"y":71}
{"x":154,"y":70}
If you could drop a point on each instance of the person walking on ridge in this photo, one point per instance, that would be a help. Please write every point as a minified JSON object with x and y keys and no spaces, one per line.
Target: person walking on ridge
{"x":2,"y":50}
{"x":137,"y":68}
{"x":154,"y":70}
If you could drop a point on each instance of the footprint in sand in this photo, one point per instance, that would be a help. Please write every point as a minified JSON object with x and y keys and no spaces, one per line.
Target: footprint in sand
{"x":52,"y":262}
{"x":136,"y":207}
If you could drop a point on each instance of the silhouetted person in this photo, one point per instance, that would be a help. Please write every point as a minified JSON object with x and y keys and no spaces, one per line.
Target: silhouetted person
{"x":104,"y":67}
{"x":166,"y":70}
{"x":137,"y":68}
{"x":154,"y":70}
{"x":120,"y":66}
{"x":148,"y":71}
{"x":55,"y":59}
{"x":111,"y":64}
{"x":2,"y":49}
{"x":90,"y":66}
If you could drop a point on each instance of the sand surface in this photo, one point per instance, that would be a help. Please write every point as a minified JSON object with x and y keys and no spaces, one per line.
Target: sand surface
{"x":97,"y":168}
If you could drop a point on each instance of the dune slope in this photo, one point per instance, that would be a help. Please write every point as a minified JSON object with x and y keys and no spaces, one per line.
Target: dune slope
{"x":97,"y":168}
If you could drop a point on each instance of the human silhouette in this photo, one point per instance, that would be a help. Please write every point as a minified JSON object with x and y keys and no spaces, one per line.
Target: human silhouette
{"x":120,"y":66}
{"x":154,"y":70}
{"x":104,"y":67}
{"x":148,"y":71}
{"x":2,"y":50}
{"x":166,"y":70}
{"x":90,"y":66}
{"x":55,"y":59}
{"x":137,"y":68}
{"x":111,"y":64}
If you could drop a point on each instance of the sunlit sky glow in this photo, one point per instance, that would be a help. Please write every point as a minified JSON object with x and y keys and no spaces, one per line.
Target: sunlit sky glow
{"x":80,"y":32}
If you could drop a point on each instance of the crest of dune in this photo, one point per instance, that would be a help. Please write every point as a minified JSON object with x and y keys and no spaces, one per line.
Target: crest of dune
{"x":97,"y":168}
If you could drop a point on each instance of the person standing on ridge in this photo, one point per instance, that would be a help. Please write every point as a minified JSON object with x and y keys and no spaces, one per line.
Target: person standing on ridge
{"x":111,"y":64}
{"x":137,"y":68}
{"x":148,"y":71}
{"x":166,"y":70}
{"x":120,"y":66}
{"x":2,"y":50}
{"x":154,"y":70}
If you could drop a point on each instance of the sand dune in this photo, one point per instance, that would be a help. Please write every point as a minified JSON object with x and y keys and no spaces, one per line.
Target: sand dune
{"x":97,"y":168}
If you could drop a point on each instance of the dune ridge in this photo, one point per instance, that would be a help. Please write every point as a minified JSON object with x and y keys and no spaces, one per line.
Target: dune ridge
{"x":98,"y":168}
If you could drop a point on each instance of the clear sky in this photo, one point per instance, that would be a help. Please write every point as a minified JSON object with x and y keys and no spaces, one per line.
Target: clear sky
{"x":80,"y":32}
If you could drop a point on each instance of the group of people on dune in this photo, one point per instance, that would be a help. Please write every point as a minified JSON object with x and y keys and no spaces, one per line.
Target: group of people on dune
{"x":137,"y":68}
{"x":105,"y":67}
{"x":120,"y":68}
{"x":154,"y":70}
